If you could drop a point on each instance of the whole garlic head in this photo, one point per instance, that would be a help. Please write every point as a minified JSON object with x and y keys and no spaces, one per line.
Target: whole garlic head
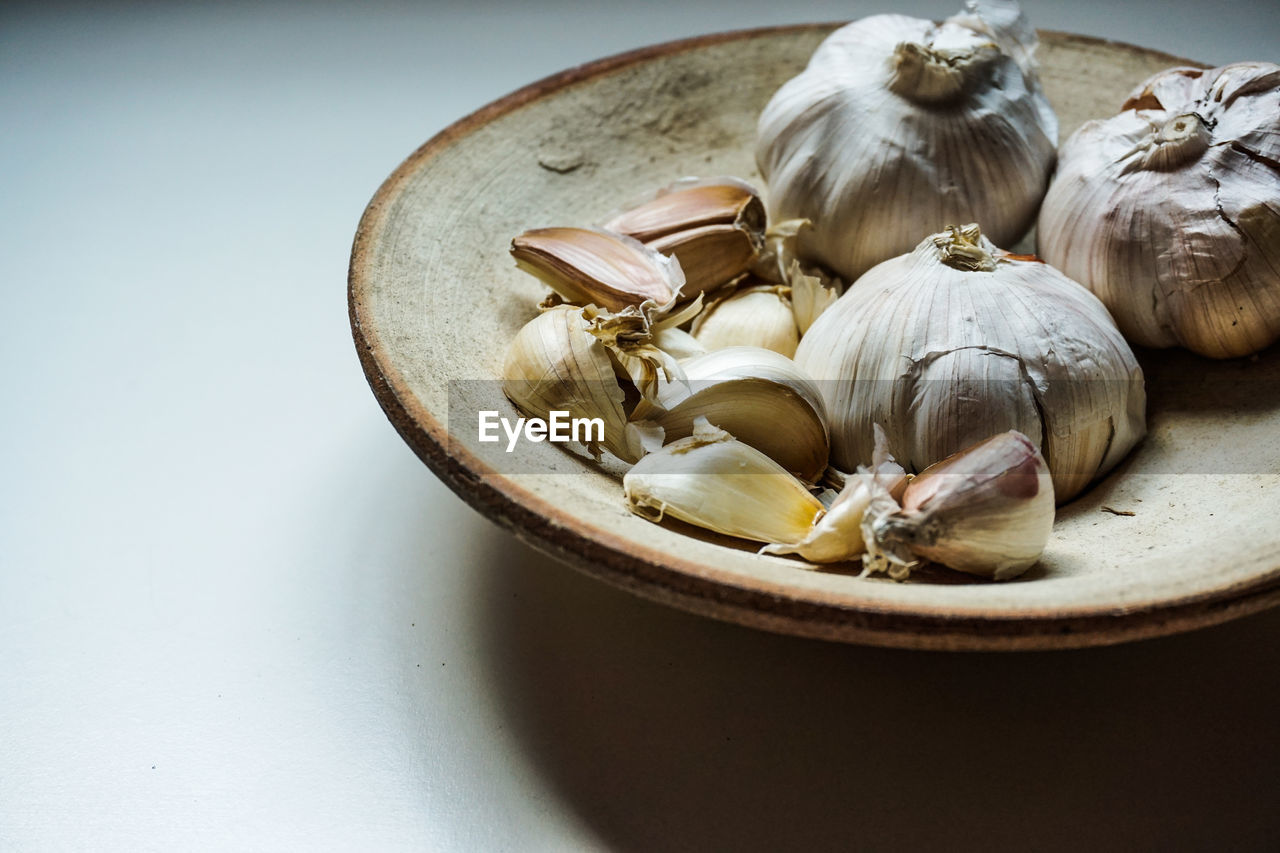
{"x":1170,"y":211}
{"x":900,"y":126}
{"x":957,"y":341}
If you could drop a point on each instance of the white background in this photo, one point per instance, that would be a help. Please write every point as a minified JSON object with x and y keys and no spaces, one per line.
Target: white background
{"x":237,"y":613}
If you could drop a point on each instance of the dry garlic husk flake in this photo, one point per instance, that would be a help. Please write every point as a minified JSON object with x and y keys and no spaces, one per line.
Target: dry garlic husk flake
{"x":986,"y":511}
{"x":900,"y":126}
{"x":1170,"y":211}
{"x":812,"y":292}
{"x":957,"y":341}
{"x":714,"y":227}
{"x":592,"y":267}
{"x":635,"y":337}
{"x":813,"y":288}
{"x":758,"y":395}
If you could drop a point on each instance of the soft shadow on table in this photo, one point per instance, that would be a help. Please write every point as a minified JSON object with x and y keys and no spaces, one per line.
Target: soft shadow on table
{"x":666,"y":731}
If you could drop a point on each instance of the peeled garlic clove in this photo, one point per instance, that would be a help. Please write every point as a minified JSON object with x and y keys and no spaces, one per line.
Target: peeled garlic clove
{"x":759,"y":396}
{"x":587,"y":267}
{"x":716,"y":482}
{"x":714,"y":227}
{"x":987,"y":511}
{"x":1170,"y":210}
{"x":555,"y":363}
{"x":752,"y":316}
{"x":838,"y":535}
{"x":959,"y":340}
{"x":951,"y":126}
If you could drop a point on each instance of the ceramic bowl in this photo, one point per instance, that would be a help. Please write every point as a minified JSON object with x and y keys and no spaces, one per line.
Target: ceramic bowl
{"x":1185,"y":533}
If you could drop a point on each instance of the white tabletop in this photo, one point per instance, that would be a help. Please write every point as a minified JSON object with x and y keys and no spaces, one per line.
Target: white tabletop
{"x":236,"y":612}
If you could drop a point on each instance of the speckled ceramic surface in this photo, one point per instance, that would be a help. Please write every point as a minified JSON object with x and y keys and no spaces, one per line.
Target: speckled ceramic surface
{"x":1185,"y":533}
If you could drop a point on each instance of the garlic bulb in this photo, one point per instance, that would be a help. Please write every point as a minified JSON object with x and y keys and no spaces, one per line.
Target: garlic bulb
{"x":987,"y":511}
{"x":759,"y":396}
{"x":958,"y":341}
{"x":587,"y":267}
{"x":556,"y":362}
{"x":714,"y":227}
{"x":1170,"y":211}
{"x":755,"y":315}
{"x":900,"y":126}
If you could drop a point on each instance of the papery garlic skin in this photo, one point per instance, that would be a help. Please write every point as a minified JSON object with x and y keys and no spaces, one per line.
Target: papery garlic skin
{"x":678,"y":343}
{"x":812,"y":292}
{"x":713,"y":226}
{"x":899,"y":126}
{"x":1170,"y":210}
{"x":758,"y":395}
{"x":556,"y":363}
{"x":986,"y":511}
{"x":957,"y":341}
{"x":632,"y":337}
{"x":755,"y":315}
{"x":716,"y":482}
{"x":813,"y":288}
{"x":593,"y":267}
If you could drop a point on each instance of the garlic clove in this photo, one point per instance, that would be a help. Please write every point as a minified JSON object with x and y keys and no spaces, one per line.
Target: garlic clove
{"x":711,"y":256}
{"x":987,"y":511}
{"x":716,"y":482}
{"x":556,"y":363}
{"x":813,"y":289}
{"x":759,"y":396}
{"x":630,"y":338}
{"x":838,"y":535}
{"x":587,"y":267}
{"x":755,"y":316}
{"x":689,"y":204}
{"x":715,"y":228}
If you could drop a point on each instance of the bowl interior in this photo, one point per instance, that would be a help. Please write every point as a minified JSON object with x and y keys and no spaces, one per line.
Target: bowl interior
{"x":1183,"y":533}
